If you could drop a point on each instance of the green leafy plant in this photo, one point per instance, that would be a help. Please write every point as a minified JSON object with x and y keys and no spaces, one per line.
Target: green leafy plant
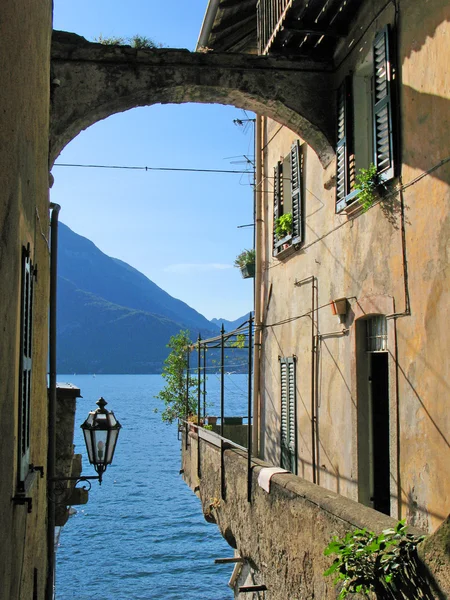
{"x":208,"y":427}
{"x":111,"y":41}
{"x":239,"y":342}
{"x":140,"y":42}
{"x":246,"y":257}
{"x":173,"y":395}
{"x":367,"y":181}
{"x":283,"y":225}
{"x":367,"y":562}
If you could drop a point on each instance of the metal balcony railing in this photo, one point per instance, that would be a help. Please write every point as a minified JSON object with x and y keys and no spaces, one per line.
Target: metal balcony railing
{"x":271,"y":14}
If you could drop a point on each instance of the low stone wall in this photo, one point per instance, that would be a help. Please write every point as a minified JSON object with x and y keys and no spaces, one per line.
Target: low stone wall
{"x":282,"y":534}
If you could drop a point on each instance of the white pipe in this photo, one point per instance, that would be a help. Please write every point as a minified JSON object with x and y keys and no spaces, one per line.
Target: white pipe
{"x":208,"y":22}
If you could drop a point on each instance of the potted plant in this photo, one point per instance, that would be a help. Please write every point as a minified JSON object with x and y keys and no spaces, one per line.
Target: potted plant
{"x":367,"y":183}
{"x":245,"y":261}
{"x":283,"y":225}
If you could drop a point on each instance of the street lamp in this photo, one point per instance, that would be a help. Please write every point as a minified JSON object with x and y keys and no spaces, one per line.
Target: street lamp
{"x":101,"y":430}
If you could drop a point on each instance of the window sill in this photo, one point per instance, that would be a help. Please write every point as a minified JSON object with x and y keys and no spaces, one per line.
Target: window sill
{"x":286,"y":246}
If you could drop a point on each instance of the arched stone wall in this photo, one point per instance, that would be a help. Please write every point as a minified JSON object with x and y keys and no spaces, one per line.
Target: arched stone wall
{"x":92,"y":81}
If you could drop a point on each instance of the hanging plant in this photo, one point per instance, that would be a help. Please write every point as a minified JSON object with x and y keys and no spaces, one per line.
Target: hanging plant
{"x":367,"y":181}
{"x":283,"y":225}
{"x":245,"y":261}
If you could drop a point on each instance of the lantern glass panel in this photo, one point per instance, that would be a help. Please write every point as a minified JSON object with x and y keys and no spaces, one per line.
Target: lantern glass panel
{"x":101,"y":421}
{"x":89,"y":444}
{"x":112,"y":444}
{"x":101,"y":438}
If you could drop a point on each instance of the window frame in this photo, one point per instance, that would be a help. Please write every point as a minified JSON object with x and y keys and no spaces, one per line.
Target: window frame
{"x":383,"y":151}
{"x":288,"y":188}
{"x":25,"y":369}
{"x":288,"y":414}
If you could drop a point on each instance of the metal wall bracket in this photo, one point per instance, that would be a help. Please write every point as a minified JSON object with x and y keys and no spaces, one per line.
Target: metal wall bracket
{"x":24,"y":500}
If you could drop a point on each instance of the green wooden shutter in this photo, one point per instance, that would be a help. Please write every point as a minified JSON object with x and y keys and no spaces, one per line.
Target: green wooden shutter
{"x":288,"y":415}
{"x":382,"y":106}
{"x":344,"y":143}
{"x":277,"y":174}
{"x":296,"y":193}
{"x":25,"y":364}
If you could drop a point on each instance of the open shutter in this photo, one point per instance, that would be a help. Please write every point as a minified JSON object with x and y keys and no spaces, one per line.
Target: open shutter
{"x":382,"y":106}
{"x":296,"y":193}
{"x":25,"y":365}
{"x":344,"y":143}
{"x":277,"y":173}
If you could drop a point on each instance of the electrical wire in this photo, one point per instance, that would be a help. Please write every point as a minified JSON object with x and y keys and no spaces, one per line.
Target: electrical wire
{"x":134,"y":168}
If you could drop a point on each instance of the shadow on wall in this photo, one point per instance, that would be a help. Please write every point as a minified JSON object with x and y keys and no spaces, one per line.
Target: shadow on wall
{"x":425,"y":124}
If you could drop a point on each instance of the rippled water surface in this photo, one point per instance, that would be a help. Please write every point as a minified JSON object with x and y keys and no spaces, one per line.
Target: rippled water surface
{"x":142,"y":536}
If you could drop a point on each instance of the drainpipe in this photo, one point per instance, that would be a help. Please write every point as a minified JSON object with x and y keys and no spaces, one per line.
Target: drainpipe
{"x":208,"y":22}
{"x":51,"y":458}
{"x":258,"y":282}
{"x":314,"y":343}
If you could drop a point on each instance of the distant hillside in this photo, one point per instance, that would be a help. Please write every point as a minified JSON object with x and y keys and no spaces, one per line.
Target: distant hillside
{"x":230,"y":325}
{"x":111,"y":318}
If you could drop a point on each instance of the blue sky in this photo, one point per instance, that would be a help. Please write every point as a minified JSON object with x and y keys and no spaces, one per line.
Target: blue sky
{"x":180,"y":229}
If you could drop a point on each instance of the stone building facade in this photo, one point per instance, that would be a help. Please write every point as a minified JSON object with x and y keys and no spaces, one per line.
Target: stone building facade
{"x":25,"y":35}
{"x":351,"y":300}
{"x":357,"y":403}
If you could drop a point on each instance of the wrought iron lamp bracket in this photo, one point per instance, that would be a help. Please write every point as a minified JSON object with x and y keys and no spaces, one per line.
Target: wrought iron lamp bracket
{"x":59,"y":482}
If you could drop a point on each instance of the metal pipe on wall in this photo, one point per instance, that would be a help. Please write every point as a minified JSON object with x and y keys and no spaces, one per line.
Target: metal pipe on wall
{"x":314,"y":328}
{"x":51,"y":455}
{"x":258,"y":289}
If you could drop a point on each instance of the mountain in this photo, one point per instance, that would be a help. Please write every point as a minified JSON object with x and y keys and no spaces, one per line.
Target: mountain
{"x":230,"y":325}
{"x":111,"y":318}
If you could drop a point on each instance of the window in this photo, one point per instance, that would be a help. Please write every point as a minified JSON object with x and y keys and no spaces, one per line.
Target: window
{"x":288,"y":415}
{"x":25,"y":366}
{"x":288,"y":201}
{"x":365,"y":121}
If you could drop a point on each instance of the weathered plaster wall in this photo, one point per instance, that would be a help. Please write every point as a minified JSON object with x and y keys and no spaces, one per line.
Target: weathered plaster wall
{"x":25,"y":28}
{"x":281,"y":534}
{"x":388,"y":260}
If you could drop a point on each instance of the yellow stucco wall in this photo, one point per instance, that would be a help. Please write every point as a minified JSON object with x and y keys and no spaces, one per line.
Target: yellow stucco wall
{"x":25,"y":29}
{"x":362,"y":259}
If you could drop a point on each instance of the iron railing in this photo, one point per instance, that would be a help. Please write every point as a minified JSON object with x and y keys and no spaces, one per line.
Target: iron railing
{"x":271,"y":14}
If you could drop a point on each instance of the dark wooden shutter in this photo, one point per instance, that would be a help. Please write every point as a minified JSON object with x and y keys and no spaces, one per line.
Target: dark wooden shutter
{"x":382,"y":106}
{"x":288,"y":415}
{"x":277,"y":212}
{"x":296,"y":193}
{"x":344,"y":143}
{"x":25,"y":364}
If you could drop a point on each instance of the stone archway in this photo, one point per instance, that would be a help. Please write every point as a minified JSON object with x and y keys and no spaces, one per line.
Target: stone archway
{"x":92,"y":81}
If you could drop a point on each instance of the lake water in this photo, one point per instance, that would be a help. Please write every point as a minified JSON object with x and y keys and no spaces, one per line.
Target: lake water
{"x":142,"y":535}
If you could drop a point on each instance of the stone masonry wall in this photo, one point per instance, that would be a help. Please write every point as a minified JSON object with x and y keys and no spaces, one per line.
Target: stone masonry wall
{"x":282,"y":534}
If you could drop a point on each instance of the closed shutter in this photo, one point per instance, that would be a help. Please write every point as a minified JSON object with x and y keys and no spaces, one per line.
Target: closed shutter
{"x":25,"y":364}
{"x":382,"y":106}
{"x":344,"y":143}
{"x":296,"y":193}
{"x":288,"y":415}
{"x":277,"y":173}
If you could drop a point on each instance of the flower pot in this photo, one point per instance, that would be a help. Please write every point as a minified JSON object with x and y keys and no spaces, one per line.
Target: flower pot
{"x":339,"y":306}
{"x":248,"y":270}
